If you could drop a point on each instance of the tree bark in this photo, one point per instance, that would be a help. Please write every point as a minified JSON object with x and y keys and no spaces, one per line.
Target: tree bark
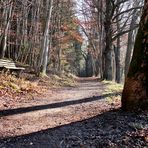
{"x":117,"y":50}
{"x":45,"y":43}
{"x":135,"y":93}
{"x":109,"y":55}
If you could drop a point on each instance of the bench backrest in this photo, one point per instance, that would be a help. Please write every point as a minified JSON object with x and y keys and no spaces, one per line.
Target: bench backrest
{"x":9,"y":63}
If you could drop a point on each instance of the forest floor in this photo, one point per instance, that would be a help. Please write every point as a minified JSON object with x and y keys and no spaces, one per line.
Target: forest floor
{"x":85,"y":116}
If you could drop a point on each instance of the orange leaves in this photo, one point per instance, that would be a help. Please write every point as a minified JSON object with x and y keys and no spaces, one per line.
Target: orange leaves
{"x":68,"y":34}
{"x":76,"y":36}
{"x":13,"y":87}
{"x":70,"y":31}
{"x":64,"y":27}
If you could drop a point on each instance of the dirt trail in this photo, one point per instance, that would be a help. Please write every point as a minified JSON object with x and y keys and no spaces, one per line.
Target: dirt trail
{"x":59,"y":107}
{"x":77,"y":117}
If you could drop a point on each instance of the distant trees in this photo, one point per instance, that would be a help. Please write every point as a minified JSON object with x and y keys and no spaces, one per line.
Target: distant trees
{"x":135,"y":93}
{"x":37,"y":33}
{"x":111,"y":21}
{"x":48,"y":35}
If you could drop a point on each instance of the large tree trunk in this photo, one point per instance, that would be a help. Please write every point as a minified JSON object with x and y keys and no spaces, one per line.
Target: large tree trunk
{"x":135,"y":93}
{"x":109,"y":55}
{"x":110,"y":68}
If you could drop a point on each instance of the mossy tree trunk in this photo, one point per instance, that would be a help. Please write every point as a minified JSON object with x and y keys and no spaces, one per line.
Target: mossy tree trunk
{"x":135,"y":93}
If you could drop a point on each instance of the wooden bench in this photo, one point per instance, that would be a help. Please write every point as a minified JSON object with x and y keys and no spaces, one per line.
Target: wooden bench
{"x":11,"y":66}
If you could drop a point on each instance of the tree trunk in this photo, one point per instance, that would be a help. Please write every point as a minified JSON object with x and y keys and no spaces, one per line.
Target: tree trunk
{"x":89,"y":65}
{"x":110,"y":68}
{"x":5,"y":36}
{"x":45,"y":43}
{"x":135,"y":93}
{"x":118,"y":65}
{"x":109,"y":55}
{"x":117,"y":49}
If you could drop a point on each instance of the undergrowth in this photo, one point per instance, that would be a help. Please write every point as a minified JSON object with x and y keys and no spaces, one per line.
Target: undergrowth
{"x":10,"y":86}
{"x":30,"y":85}
{"x":66,"y":80}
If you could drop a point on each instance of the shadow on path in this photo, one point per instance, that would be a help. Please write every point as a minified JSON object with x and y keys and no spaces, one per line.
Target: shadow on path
{"x":107,"y":130}
{"x":22,"y":110}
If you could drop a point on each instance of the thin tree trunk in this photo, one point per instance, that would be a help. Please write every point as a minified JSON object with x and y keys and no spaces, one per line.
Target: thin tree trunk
{"x":4,"y":40}
{"x":117,"y":50}
{"x":44,"y":50}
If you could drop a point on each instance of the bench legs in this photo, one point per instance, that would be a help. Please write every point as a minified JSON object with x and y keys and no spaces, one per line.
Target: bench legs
{"x":16,"y":72}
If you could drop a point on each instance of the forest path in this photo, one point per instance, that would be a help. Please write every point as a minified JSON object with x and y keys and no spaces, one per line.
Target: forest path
{"x":58,"y":107}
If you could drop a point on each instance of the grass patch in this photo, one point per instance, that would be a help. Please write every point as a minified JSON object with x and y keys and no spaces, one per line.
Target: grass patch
{"x":113,"y":86}
{"x":115,"y":91}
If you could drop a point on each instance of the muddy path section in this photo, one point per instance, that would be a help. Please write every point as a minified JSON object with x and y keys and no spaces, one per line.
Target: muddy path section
{"x":58,"y":107}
